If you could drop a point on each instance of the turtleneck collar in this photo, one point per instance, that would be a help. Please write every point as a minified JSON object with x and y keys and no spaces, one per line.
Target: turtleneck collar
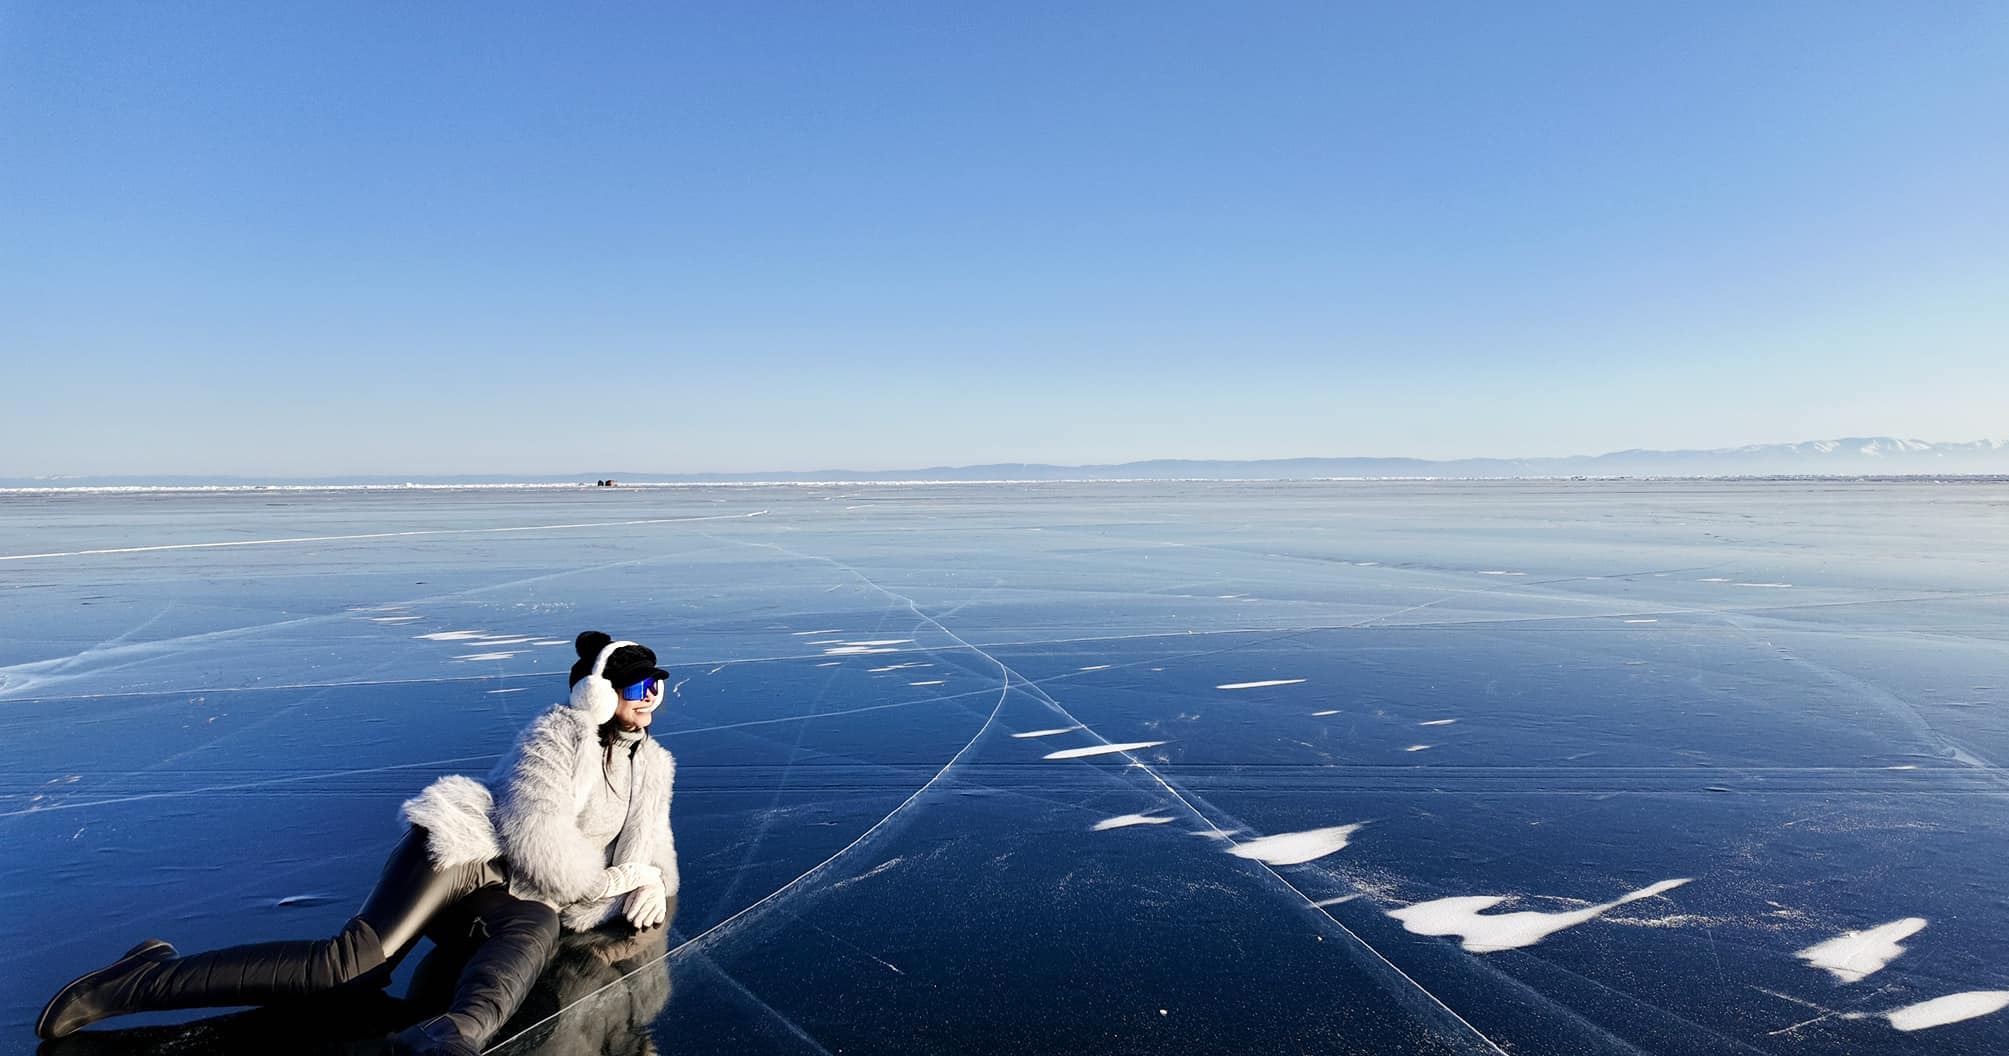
{"x":625,"y":738}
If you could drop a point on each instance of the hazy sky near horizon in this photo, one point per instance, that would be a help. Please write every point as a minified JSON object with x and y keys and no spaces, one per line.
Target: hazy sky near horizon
{"x":516,"y":238}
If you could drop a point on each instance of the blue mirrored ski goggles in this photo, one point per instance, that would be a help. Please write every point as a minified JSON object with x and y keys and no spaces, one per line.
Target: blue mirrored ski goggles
{"x":641,"y":689}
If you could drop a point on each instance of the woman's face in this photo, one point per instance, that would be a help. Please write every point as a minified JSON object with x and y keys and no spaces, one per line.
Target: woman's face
{"x":636,"y":714}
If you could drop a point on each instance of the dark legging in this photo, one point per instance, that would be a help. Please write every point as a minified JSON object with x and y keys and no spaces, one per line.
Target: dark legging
{"x":465,"y":903}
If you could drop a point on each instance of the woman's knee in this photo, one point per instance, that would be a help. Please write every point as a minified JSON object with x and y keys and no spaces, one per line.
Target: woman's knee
{"x":354,"y":953}
{"x":539,"y":924}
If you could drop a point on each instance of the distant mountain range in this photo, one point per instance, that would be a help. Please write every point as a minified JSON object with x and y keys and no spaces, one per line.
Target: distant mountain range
{"x":1850,"y":457}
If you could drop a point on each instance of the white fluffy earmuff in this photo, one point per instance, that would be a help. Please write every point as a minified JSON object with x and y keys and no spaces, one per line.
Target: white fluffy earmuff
{"x":593,"y":694}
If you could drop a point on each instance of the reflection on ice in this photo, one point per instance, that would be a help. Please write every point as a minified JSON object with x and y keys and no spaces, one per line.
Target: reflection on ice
{"x":1465,"y":916}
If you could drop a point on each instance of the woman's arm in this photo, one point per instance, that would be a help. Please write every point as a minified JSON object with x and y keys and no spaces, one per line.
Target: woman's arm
{"x":537,"y":817}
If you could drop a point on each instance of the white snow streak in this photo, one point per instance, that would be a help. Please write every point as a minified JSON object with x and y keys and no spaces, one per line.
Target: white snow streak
{"x":1952,"y":1008}
{"x":1463,"y":916}
{"x":1295,"y":848}
{"x":1855,"y":955}
{"x":1101,"y":749}
{"x":1124,"y":821}
{"x":1260,"y":685}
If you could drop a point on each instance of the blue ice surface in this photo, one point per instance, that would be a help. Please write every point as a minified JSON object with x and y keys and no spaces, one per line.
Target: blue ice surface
{"x":1789,"y":693}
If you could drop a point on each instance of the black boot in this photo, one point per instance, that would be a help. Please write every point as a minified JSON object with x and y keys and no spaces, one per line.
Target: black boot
{"x":95,"y":995}
{"x":438,"y":1036}
{"x":150,"y":978}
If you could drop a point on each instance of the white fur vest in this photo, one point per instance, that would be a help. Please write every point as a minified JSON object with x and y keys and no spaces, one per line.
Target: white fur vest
{"x":528,"y":813}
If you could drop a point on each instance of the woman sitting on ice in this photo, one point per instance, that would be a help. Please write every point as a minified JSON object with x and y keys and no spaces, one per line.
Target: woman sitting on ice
{"x":571,"y":828}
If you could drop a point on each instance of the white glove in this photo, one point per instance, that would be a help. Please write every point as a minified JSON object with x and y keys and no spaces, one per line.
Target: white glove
{"x":644,"y":908}
{"x":628,"y":876}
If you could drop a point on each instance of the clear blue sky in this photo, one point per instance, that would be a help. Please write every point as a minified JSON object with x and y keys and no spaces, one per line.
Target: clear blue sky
{"x":428,"y":238}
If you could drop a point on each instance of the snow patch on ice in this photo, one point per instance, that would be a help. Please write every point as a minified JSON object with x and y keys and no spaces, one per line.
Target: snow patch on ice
{"x":1642,"y":621}
{"x":1046,"y":733}
{"x":1854,"y":955}
{"x":1096,"y":667}
{"x":1340,"y":901}
{"x":856,"y":650}
{"x":1437,"y":722}
{"x":1296,"y":848}
{"x":1419,"y":747}
{"x":1778,"y":585}
{"x":1323,"y":714}
{"x":1124,"y":821}
{"x":451,"y":636}
{"x":485,"y":656}
{"x":811,"y":634}
{"x":1496,"y":572}
{"x":394,"y":619}
{"x":1102,"y":749}
{"x":1261,"y":685}
{"x":1952,"y":1008}
{"x":936,"y":682}
{"x":896,"y":667}
{"x":512,"y":689}
{"x":1465,"y":917}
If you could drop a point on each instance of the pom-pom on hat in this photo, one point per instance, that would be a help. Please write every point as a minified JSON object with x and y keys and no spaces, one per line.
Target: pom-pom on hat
{"x":604,"y":667}
{"x":628,"y":665}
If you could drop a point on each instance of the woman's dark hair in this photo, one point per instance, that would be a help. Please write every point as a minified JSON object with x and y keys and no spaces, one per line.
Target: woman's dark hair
{"x":610,"y":737}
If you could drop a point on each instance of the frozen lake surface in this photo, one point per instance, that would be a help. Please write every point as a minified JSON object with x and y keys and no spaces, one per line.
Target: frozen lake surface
{"x":1589,"y":767}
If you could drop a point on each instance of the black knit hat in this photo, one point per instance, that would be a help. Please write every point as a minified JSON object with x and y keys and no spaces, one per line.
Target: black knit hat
{"x":629,"y":664}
